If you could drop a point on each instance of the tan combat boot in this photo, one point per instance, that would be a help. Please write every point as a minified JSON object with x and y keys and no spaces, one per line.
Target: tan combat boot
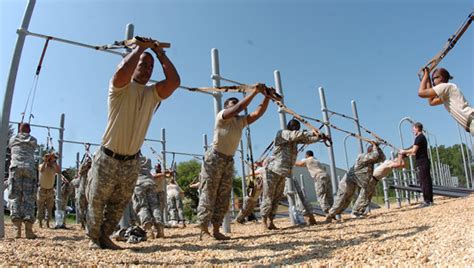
{"x":47,"y":224}
{"x":29,"y":230}
{"x":17,"y":225}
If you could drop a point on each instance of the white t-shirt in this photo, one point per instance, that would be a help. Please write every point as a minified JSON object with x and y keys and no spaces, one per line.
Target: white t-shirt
{"x":46,"y":177}
{"x":382,"y":170}
{"x":314,"y":167}
{"x":227,"y":133}
{"x":130,"y":112}
{"x":173,"y":190}
{"x":455,"y":102}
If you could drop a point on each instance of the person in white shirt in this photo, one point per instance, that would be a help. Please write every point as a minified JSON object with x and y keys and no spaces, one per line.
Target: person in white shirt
{"x":438,"y":91}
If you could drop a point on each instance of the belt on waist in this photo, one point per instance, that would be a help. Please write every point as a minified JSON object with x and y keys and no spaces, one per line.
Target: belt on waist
{"x":119,"y":156}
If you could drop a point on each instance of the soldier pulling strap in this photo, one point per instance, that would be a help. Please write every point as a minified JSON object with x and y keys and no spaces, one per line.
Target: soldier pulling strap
{"x":447,"y":47}
{"x":137,"y":40}
{"x":274,"y":96}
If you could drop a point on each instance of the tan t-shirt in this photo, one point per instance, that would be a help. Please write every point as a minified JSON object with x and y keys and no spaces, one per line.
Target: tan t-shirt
{"x":455,"y":102}
{"x":46,"y":178}
{"x":227,"y":133}
{"x":130,"y":112}
{"x":314,"y":167}
{"x":382,"y":170}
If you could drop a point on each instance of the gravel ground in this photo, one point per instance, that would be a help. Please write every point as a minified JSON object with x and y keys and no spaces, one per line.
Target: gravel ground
{"x":439,"y":235}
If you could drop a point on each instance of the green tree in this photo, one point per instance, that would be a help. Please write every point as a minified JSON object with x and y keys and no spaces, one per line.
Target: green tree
{"x":452,"y":156}
{"x":8,"y":157}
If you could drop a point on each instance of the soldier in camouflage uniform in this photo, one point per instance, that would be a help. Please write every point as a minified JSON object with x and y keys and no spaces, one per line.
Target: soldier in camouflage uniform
{"x":280,"y":167}
{"x":47,"y":171}
{"x":218,"y":165}
{"x":254,"y":191}
{"x":322,"y":182}
{"x":114,"y":171}
{"x":67,"y":189}
{"x":145,"y":201}
{"x":359,"y":208}
{"x":174,"y":196}
{"x":357,"y":177}
{"x":80,"y":195}
{"x":22,"y":181}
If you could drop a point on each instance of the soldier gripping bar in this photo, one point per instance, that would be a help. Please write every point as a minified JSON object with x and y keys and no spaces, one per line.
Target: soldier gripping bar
{"x":447,"y":47}
{"x":137,"y":40}
{"x":274,"y":96}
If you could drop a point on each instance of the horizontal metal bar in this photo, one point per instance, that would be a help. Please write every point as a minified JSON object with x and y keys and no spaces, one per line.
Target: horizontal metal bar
{"x":70,"y":42}
{"x":154,"y":140}
{"x":228,"y":80}
{"x":80,"y":142}
{"x":42,"y":126}
{"x":343,"y":115}
{"x":179,"y":153}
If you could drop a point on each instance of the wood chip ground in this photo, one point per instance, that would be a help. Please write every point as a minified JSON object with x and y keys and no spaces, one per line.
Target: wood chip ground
{"x":440,"y":235}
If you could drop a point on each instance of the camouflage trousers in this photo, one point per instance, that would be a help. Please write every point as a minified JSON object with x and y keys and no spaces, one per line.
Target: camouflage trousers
{"x":81,"y":201}
{"x":344,"y":195}
{"x":217,"y":173}
{"x":45,"y":203}
{"x":250,"y":202}
{"x":302,"y":203}
{"x":273,"y":188}
{"x":322,"y":186}
{"x":109,"y":189}
{"x":22,"y":194}
{"x":364,"y":197}
{"x":175,"y":208}
{"x":147,"y":205}
{"x":161,"y":195}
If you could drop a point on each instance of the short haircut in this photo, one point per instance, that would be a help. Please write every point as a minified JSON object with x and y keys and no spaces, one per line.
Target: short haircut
{"x":229,"y":100}
{"x":293,"y":122}
{"x":418,"y":126}
{"x":370,"y":148}
{"x":310,"y":153}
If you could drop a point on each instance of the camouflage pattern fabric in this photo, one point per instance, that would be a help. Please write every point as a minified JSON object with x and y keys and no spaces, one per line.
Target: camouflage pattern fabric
{"x":323,"y":188}
{"x":81,"y":200}
{"x":45,"y":203}
{"x":22,"y":189}
{"x":22,"y":180}
{"x":217,"y":173}
{"x":302,"y":203}
{"x":357,"y":177}
{"x":145,"y":201}
{"x":175,"y":206}
{"x":67,"y":189}
{"x":109,"y":189}
{"x":254,"y":190}
{"x":364,"y":198}
{"x":273,"y":188}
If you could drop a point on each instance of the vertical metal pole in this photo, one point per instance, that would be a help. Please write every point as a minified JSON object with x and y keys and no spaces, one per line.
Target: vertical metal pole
{"x":438,"y":161}
{"x":303,"y":188}
{"x":432,"y":167}
{"x":244,"y":186}
{"x":405,"y":183}
{"x":463,"y":158}
{"x":163,"y":156}
{"x":216,"y":81}
{"x":357,"y":124}
{"x":345,"y":151}
{"x":126,"y":216}
{"x":396,"y":182}
{"x":59,"y":213}
{"x":282,"y":117}
{"x":77,"y":189}
{"x":332,"y":161}
{"x":7,"y":99}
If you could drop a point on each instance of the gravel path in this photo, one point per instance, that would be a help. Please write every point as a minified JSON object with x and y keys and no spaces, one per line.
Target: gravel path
{"x":438,"y":235}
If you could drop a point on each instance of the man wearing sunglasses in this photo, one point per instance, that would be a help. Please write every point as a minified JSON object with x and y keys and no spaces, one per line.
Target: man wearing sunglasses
{"x":438,"y":91}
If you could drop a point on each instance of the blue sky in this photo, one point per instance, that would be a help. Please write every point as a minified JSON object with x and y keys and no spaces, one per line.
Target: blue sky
{"x":367,"y":51}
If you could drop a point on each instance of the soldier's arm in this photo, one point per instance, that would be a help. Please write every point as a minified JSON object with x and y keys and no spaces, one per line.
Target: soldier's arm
{"x":368,"y":158}
{"x":300,"y":163}
{"x":127,"y":66}
{"x":255,"y":115}
{"x":172,"y":80}
{"x":241,"y":105}
{"x":299,"y":136}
